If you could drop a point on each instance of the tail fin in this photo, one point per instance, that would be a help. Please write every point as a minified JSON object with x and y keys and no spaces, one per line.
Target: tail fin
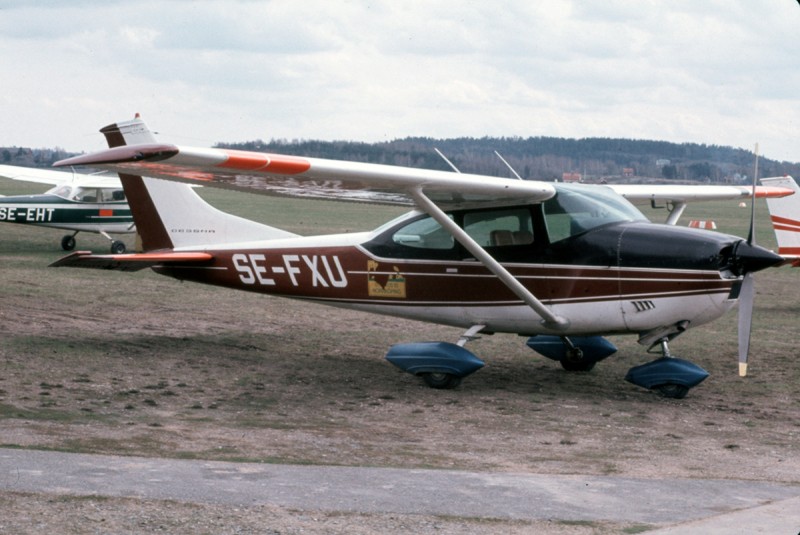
{"x":785,"y":215}
{"x":169,"y":215}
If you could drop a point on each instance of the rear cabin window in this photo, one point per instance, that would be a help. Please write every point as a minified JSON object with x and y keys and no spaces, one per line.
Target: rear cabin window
{"x":500,"y":228}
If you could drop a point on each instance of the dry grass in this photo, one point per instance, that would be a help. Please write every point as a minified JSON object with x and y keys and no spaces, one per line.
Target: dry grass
{"x":143,"y":365}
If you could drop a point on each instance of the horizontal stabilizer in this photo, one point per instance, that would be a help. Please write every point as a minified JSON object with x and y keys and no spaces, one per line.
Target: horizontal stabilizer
{"x":129,"y":262}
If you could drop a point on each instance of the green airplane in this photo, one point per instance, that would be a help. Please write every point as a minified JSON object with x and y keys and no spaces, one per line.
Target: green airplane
{"x":80,"y":203}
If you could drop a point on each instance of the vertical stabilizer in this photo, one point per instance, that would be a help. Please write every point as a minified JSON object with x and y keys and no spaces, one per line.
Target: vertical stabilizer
{"x":170,"y":215}
{"x":785,"y":215}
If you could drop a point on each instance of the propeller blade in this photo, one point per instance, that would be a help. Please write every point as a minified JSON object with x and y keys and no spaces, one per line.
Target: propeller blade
{"x":747,"y":291}
{"x":746,"y":295}
{"x":751,"y":235}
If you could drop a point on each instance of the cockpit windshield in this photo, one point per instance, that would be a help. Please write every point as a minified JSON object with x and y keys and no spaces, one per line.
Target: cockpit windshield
{"x":578,"y":208}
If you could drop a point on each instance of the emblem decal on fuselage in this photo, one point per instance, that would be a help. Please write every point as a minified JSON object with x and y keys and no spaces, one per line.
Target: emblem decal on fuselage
{"x":395,"y":285}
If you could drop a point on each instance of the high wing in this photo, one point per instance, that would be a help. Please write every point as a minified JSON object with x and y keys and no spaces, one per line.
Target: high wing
{"x":676,"y":193}
{"x":48,"y":176}
{"x":281,"y":175}
{"x":677,"y":196}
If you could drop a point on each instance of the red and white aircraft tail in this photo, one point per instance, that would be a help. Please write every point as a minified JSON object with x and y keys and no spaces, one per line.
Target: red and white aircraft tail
{"x":170,"y":215}
{"x":173,"y":216}
{"x":785,"y":215}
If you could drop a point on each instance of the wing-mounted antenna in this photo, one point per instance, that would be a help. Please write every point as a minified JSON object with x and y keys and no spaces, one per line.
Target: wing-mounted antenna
{"x":508,"y":165}
{"x":453,"y":167}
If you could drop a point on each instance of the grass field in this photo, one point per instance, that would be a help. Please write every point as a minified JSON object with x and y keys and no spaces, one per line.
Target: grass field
{"x":141,"y":364}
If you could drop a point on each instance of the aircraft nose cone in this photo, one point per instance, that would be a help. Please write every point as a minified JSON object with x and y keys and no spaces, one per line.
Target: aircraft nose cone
{"x":749,"y":258}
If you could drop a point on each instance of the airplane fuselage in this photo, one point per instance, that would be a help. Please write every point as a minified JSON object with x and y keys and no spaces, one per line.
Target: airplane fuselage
{"x":49,"y":210}
{"x":623,"y":277}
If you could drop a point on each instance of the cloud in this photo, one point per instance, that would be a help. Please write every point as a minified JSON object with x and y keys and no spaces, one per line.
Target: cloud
{"x":711,"y":72}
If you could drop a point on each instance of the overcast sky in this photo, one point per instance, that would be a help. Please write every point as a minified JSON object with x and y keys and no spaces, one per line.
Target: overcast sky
{"x":723,"y":72}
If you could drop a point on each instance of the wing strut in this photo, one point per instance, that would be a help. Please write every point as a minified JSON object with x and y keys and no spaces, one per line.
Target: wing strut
{"x":676,"y":212}
{"x":550,"y":320}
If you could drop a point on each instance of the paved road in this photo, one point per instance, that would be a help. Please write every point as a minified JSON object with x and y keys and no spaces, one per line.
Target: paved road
{"x":686,"y":506}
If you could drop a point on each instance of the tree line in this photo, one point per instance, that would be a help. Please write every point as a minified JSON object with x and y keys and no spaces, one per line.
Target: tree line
{"x":546,"y":158}
{"x":539,"y":158}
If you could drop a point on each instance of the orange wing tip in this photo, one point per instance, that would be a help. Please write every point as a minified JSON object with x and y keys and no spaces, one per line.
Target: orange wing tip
{"x":742,"y":369}
{"x":772,"y":191}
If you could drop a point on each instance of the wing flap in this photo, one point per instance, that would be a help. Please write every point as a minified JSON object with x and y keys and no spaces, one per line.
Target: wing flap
{"x":129,"y":262}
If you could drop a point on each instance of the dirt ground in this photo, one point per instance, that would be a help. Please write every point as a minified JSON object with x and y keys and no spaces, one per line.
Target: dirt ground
{"x":138,"y":364}
{"x":192,"y":372}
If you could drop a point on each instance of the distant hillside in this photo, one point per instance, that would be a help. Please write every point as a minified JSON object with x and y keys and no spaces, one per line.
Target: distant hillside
{"x":26,"y":157}
{"x":547,"y":158}
{"x":543,"y":158}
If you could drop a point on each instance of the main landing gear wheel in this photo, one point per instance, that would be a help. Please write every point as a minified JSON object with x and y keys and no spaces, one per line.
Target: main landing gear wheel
{"x":573,"y":361}
{"x":442,"y":381}
{"x":68,"y":242}
{"x":117,"y":247}
{"x":672,"y":390}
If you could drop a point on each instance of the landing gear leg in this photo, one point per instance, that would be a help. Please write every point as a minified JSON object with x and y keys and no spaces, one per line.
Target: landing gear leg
{"x":117,"y":247}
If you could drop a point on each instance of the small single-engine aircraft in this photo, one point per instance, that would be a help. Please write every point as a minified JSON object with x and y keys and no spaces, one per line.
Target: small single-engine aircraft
{"x":785,"y":215}
{"x":562,"y":264}
{"x":81,"y":203}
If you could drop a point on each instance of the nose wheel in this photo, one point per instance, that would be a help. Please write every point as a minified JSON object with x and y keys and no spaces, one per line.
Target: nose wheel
{"x":670,"y":376}
{"x":672,"y":390}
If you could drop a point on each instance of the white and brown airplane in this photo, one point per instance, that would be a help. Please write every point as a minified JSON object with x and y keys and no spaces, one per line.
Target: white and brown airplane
{"x":563,"y":264}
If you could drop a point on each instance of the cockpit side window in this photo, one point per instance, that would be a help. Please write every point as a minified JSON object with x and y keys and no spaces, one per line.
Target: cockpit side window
{"x":506,"y":232}
{"x":85,"y":195}
{"x":424,"y":233}
{"x":110,"y":195}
